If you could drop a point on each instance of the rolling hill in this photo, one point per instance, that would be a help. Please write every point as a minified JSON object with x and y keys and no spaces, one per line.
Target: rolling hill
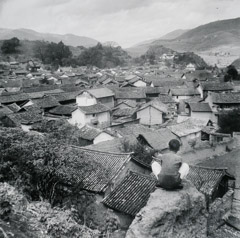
{"x":142,"y":47}
{"x":218,"y":35}
{"x":67,"y":39}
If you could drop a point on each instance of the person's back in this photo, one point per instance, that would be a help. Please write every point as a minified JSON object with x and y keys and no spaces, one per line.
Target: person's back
{"x":169,"y":176}
{"x":170,"y":170}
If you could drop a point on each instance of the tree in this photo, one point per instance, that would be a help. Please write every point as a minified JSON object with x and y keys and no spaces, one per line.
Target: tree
{"x":10,"y":46}
{"x":229,"y":121}
{"x":232,"y":74}
{"x":52,"y":53}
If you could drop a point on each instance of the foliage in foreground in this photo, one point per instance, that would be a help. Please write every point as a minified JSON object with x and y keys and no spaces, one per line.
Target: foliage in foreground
{"x":22,"y":218}
{"x":229,"y":121}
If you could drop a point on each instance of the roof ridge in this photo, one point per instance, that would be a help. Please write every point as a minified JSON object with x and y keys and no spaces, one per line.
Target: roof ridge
{"x":101,"y":152}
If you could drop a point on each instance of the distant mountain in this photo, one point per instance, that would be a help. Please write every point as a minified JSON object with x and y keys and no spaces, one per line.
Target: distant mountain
{"x":26,"y":34}
{"x":173,"y":34}
{"x":142,"y":47}
{"x":219,"y":35}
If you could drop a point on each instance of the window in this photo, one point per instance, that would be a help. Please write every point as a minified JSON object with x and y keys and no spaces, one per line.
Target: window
{"x":94,"y":115}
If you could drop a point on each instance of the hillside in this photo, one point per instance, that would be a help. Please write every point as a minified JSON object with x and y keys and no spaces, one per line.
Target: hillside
{"x":142,"y":47}
{"x":26,"y":34}
{"x":219,"y":35}
{"x":236,"y":63}
{"x":173,"y":34}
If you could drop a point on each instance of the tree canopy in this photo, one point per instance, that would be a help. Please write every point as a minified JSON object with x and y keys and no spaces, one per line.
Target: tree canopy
{"x":231,"y":74}
{"x":229,"y":121}
{"x":10,"y":46}
{"x":103,"y":56}
{"x":52,"y":53}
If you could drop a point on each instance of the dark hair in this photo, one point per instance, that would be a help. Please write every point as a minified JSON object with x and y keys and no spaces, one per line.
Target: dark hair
{"x":174,"y":145}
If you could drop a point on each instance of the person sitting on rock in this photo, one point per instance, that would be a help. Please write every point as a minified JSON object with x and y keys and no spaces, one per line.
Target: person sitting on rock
{"x":170,"y":170}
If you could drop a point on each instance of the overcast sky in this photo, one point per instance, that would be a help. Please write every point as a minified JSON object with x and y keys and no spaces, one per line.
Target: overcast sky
{"x":125,"y":21}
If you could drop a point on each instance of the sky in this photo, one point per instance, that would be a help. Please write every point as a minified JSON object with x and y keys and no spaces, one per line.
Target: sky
{"x":126,"y":22}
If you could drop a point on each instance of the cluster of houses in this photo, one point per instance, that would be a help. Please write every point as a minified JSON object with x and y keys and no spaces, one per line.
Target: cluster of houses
{"x":119,"y":107}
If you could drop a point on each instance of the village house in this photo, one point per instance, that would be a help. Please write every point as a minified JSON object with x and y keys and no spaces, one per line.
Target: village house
{"x":46,"y":102}
{"x":166,"y":83}
{"x":210,"y":134}
{"x":61,"y":111}
{"x":152,"y":113}
{"x":97,"y":115}
{"x":25,"y":120}
{"x":212,"y":182}
{"x":126,"y":112}
{"x":18,"y":98}
{"x":223,"y":101}
{"x":157,"y":140}
{"x":152,"y":92}
{"x":216,"y":87}
{"x":183,"y":93}
{"x":93,"y":96}
{"x":199,"y":75}
{"x":135,"y":82}
{"x":91,"y":135}
{"x":134,"y":94}
{"x":200,"y":111}
{"x":190,"y":67}
{"x":188,"y":132}
{"x":126,"y":104}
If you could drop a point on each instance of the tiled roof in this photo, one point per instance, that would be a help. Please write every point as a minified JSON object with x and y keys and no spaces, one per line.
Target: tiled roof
{"x":158,"y":139}
{"x":185,"y":128}
{"x":135,"y":130}
{"x":157,"y":104}
{"x":94,"y":109}
{"x":14,"y":107}
{"x":201,"y":75}
{"x":226,"y":98}
{"x":33,"y":108}
{"x":107,"y":81}
{"x":156,"y":90}
{"x":66,"y":96}
{"x":40,"y":88}
{"x":184,"y":92}
{"x":130,"y":94}
{"x":218,"y":86}
{"x":166,"y":99}
{"x":101,"y":92}
{"x":131,"y":194}
{"x":167,"y":83}
{"x":89,"y":133}
{"x":40,"y":94}
{"x":71,"y":88}
{"x":129,"y":103}
{"x":122,"y":112}
{"x":199,"y":107}
{"x":63,"y":110}
{"x":46,"y":102}
{"x":4,"y":111}
{"x":26,"y":118}
{"x":98,"y":180}
{"x":14,"y":97}
{"x":205,"y":180}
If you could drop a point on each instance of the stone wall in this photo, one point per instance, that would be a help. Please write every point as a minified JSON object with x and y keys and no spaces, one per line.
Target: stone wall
{"x":218,"y":209}
{"x":171,"y":214}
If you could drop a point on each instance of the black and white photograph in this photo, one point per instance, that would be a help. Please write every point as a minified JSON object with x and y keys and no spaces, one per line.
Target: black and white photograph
{"x":119,"y":119}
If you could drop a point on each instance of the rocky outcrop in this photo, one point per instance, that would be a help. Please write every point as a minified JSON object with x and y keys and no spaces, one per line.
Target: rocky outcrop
{"x":171,"y":214}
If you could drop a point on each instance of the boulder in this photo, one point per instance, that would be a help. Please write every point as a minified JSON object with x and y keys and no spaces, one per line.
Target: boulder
{"x":171,"y":214}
